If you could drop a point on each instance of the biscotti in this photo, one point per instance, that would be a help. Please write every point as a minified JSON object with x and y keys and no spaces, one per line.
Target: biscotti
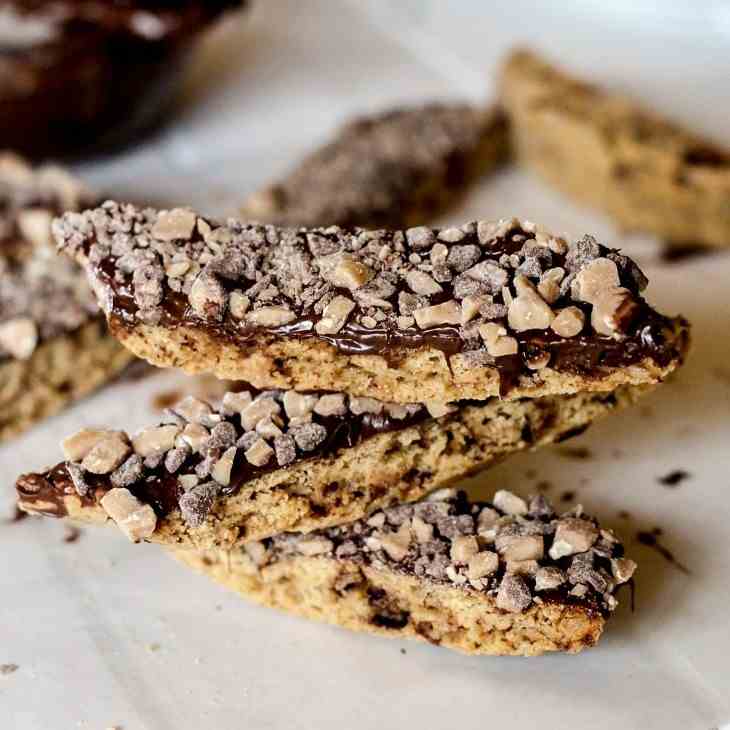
{"x":393,"y":169}
{"x":265,"y":463}
{"x":424,"y":314}
{"x":649,"y":174}
{"x":54,"y":344}
{"x":507,"y":577}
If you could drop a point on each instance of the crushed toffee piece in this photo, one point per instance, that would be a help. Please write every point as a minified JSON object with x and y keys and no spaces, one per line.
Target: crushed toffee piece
{"x":492,"y":291}
{"x":448,"y":540}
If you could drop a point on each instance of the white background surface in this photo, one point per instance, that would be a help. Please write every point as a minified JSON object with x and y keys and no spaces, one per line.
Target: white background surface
{"x":107,"y":634}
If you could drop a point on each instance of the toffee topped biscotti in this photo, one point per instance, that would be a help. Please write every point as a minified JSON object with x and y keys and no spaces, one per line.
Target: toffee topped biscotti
{"x":54,"y":346}
{"x":507,"y":577}
{"x":393,"y":169}
{"x":262,"y":463}
{"x":41,"y":294}
{"x":465,"y":312}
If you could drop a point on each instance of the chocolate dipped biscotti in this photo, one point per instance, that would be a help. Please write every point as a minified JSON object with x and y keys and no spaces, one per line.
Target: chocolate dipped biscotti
{"x":54,"y":344}
{"x":77,"y":76}
{"x":510,"y":577}
{"x":390,"y":170}
{"x":648,"y":173}
{"x":267,"y":462}
{"x":469,"y":312}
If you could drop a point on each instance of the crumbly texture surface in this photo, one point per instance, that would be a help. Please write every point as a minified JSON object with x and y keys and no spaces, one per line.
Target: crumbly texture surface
{"x":54,"y":346}
{"x":439,"y":615}
{"x":606,"y":150}
{"x":58,"y":373}
{"x":328,"y":488}
{"x":393,"y":169}
{"x":506,"y":577}
{"x":443,"y":314}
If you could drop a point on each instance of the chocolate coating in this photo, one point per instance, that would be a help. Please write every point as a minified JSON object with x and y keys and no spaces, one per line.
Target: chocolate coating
{"x":120,"y":62}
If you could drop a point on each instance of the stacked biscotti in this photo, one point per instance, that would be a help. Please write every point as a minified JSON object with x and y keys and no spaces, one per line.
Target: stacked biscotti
{"x":375,"y":368}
